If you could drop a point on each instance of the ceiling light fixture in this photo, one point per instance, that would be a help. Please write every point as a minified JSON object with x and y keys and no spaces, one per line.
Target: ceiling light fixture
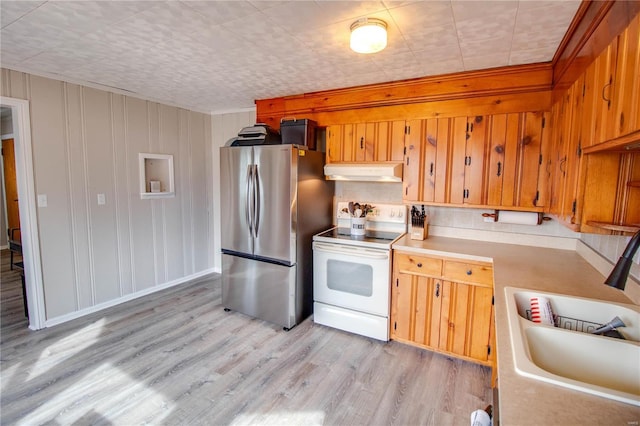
{"x":368,"y":35}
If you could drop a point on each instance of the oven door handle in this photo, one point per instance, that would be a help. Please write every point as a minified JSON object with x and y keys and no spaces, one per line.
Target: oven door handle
{"x":369,"y":254}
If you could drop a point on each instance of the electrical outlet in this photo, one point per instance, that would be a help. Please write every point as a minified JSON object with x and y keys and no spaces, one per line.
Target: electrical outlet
{"x":101,"y":200}
{"x":42,"y":200}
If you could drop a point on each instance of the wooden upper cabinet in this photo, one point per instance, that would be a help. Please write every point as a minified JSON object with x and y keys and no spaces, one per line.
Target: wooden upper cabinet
{"x":382,"y":141}
{"x":436,"y":157}
{"x":598,"y":191}
{"x":469,"y":138}
{"x":616,"y":81}
{"x":339,"y":143}
{"x":389,"y":141}
{"x":427,"y":152}
{"x":515,"y":158}
{"x":626,"y":94}
{"x":605,"y":105}
{"x":413,"y":160}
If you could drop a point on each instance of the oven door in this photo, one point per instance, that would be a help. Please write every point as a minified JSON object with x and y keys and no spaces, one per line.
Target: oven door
{"x":352,"y":277}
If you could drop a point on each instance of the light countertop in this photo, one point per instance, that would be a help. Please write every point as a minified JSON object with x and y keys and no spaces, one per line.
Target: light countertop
{"x":524,"y":401}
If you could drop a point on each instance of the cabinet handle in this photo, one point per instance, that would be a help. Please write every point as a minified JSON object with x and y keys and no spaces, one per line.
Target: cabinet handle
{"x":604,"y":89}
{"x":362,"y":142}
{"x":469,"y":272}
{"x":562,"y":162}
{"x":499,"y":168}
{"x":437,"y":289}
{"x":431,"y":170}
{"x":419,"y":265}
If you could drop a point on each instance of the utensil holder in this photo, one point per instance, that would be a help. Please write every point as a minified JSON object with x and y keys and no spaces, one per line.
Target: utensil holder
{"x":357,"y":225}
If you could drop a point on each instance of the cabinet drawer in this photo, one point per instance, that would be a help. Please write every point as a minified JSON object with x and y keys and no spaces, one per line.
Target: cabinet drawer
{"x":409,"y":263}
{"x":468,"y":272}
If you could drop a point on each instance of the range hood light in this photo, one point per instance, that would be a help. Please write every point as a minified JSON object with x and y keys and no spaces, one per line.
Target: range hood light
{"x":364,"y":172}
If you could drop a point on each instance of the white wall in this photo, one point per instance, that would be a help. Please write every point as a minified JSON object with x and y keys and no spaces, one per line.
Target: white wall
{"x":86,"y":142}
{"x":223,"y":128}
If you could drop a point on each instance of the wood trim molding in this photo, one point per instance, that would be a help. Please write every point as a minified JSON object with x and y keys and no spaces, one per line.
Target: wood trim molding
{"x":496,"y":82}
{"x":625,"y":143}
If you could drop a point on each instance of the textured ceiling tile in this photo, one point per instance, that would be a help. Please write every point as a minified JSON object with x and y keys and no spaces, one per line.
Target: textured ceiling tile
{"x":475,"y":10}
{"x":485,"y":46}
{"x":496,"y":59}
{"x":497,"y":26}
{"x":221,"y":55}
{"x":543,"y":27}
{"x":520,"y":57}
{"x":420,"y":16}
{"x":340,"y":11}
{"x":437,"y":67}
{"x":441,"y":41}
{"x":220,"y":12}
{"x":299,"y":15}
{"x":13,"y":10}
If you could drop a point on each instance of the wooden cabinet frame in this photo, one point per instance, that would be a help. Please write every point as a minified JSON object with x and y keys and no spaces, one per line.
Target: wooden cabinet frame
{"x":443,"y":305}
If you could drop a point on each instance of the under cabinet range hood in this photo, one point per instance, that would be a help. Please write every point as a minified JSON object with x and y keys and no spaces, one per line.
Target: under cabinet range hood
{"x":370,"y":172}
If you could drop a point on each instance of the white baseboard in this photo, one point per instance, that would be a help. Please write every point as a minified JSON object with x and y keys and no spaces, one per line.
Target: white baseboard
{"x":4,"y":247}
{"x":546,"y":241}
{"x":92,"y":309}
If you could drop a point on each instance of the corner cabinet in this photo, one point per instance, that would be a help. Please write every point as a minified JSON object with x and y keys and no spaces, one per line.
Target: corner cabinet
{"x":445,"y":305}
{"x":596,"y":134}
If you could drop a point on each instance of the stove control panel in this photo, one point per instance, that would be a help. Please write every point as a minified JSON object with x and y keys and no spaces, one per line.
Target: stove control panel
{"x":379,"y":213}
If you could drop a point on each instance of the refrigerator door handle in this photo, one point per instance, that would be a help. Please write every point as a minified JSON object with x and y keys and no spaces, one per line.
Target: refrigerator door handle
{"x":256,"y":190}
{"x":247,"y":207}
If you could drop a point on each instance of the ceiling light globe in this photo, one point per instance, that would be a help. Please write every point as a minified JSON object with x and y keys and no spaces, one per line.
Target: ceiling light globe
{"x":368,"y":35}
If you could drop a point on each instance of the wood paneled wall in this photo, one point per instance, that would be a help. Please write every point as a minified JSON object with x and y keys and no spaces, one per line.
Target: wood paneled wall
{"x":86,"y":142}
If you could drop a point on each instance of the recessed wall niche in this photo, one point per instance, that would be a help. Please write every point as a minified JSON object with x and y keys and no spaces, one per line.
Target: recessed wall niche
{"x":156,"y":176}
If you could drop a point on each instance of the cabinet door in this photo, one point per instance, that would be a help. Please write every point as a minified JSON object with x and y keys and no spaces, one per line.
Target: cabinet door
{"x":515,"y":142}
{"x":364,"y":142}
{"x":413,"y":166}
{"x":435,"y":153}
{"x":529,"y":160}
{"x":402,"y":306}
{"x":465,"y":323}
{"x":467,"y":160}
{"x":503,"y":159}
{"x":334,"y":143}
{"x":389,"y":141}
{"x":605,"y":116}
{"x":626,"y":90}
{"x":341,"y":143}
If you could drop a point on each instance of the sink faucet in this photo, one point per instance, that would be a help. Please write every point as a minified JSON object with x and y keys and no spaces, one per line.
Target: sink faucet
{"x":620,"y":273}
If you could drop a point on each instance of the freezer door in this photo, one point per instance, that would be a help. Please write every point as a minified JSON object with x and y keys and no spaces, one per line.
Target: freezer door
{"x":276,"y":206}
{"x":235,"y":199}
{"x":260,"y":289}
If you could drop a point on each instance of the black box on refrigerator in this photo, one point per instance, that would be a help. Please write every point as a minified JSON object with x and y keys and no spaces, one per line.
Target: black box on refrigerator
{"x":299,"y":132}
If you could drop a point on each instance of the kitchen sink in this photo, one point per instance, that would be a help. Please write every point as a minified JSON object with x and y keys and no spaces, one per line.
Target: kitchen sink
{"x":568,"y":354}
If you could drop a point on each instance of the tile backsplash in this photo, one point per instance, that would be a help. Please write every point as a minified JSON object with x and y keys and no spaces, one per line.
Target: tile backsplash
{"x":611,"y":248}
{"x":608,"y":246}
{"x":451,"y":217}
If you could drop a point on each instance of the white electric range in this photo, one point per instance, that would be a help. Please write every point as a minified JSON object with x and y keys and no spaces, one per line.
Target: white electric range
{"x":352,"y":273}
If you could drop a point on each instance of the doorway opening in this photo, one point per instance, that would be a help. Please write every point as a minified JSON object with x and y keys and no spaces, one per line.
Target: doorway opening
{"x":26,"y":209}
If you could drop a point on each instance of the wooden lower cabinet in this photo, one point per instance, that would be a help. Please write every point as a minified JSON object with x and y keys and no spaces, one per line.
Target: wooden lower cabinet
{"x":440,"y":309}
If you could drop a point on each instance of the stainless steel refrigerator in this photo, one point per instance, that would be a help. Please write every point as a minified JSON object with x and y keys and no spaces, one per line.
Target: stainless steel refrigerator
{"x":274,"y":198}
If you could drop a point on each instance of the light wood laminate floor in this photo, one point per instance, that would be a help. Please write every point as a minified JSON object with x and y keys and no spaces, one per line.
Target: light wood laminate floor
{"x":175,"y":357}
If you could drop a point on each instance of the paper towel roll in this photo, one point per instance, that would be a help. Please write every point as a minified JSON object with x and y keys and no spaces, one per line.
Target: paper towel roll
{"x":519,"y":218}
